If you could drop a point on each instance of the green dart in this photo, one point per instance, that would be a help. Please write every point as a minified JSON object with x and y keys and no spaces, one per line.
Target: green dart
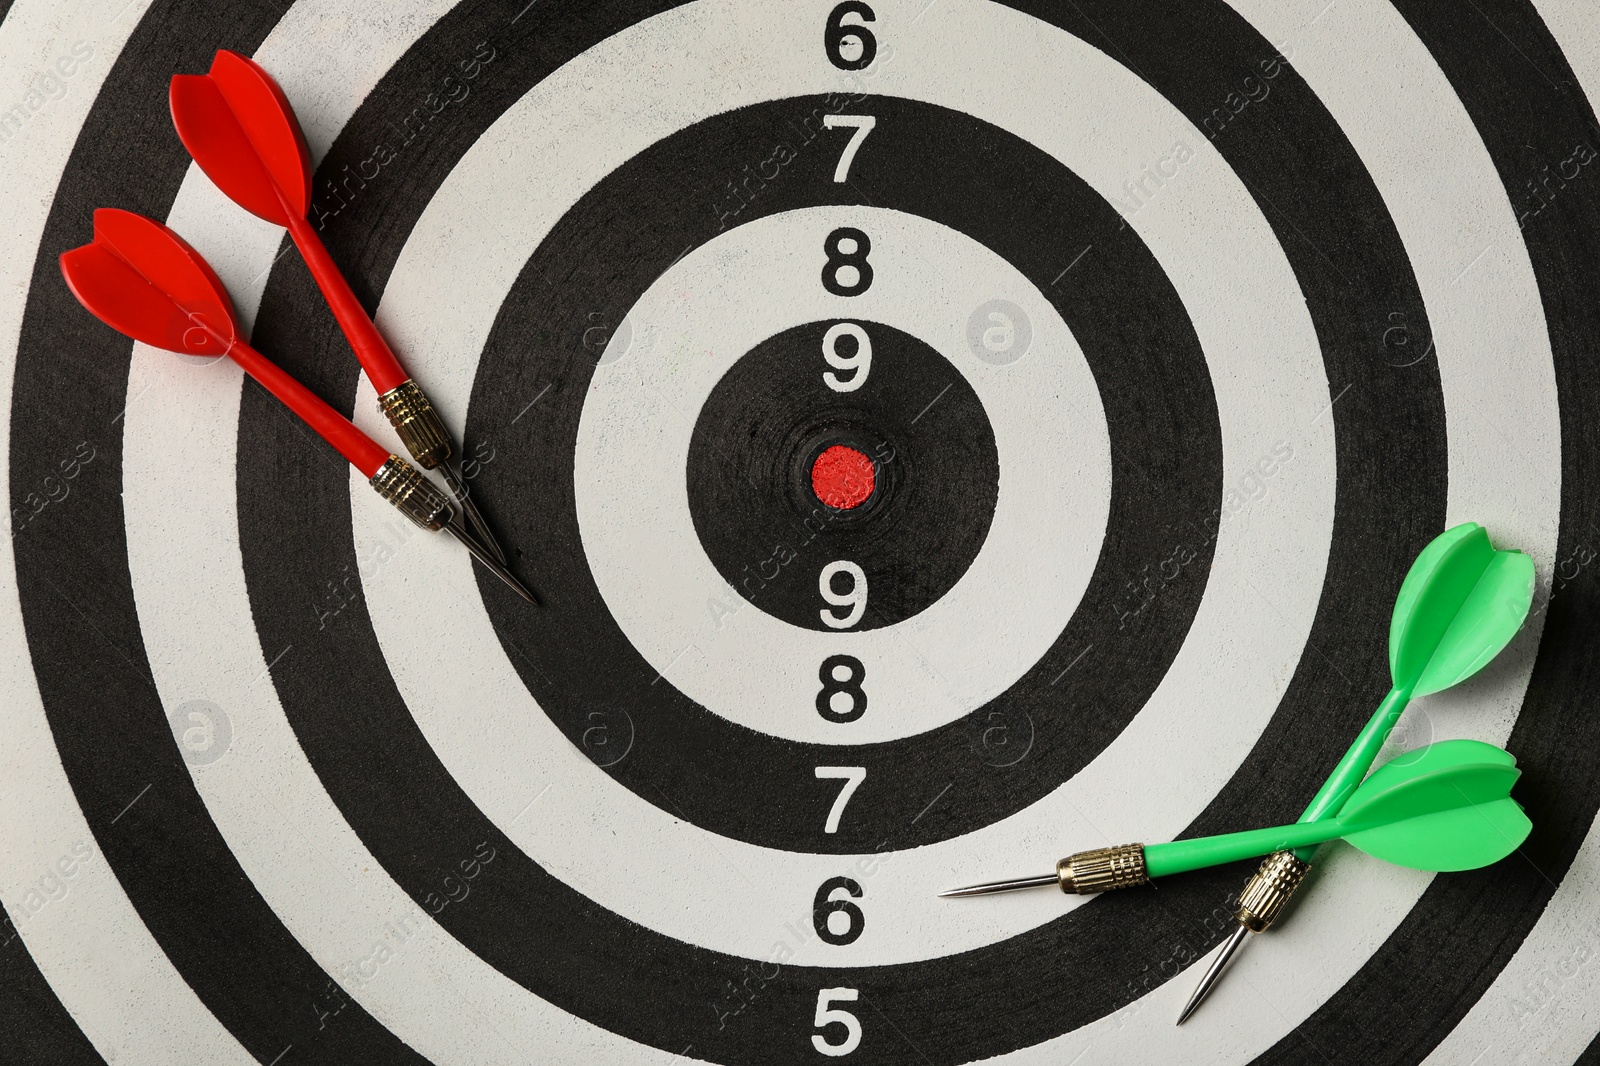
{"x":1460,"y":603}
{"x":1446,"y":806}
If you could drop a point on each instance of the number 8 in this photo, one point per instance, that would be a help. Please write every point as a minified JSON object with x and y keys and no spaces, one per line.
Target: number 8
{"x":841,"y":259}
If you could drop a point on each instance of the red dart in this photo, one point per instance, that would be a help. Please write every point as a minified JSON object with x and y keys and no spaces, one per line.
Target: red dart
{"x":238,"y":125}
{"x":143,"y":280}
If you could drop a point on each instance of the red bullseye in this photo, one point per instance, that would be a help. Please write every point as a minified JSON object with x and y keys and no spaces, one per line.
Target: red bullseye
{"x":842,"y":477}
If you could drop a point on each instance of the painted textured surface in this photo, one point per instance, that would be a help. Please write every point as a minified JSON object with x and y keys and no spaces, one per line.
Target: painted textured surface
{"x":1314,"y":337}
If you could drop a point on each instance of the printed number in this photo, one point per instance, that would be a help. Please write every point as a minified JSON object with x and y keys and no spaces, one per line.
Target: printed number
{"x":850,"y":685}
{"x":841,"y":259}
{"x":824,"y":906}
{"x":859,"y":361}
{"x":827,"y":1015}
{"x":851,"y":775}
{"x":863,"y":45}
{"x":863,"y":125}
{"x":855,"y":599}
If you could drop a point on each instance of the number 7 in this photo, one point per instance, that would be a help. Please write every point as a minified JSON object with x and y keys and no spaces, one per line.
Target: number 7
{"x":852,"y":776}
{"x":863,"y":125}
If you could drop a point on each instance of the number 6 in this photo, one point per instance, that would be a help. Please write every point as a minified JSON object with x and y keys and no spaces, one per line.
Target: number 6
{"x":838,"y":31}
{"x":827,"y":1016}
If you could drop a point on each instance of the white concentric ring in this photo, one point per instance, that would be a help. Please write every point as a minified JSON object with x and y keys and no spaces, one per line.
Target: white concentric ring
{"x":264,"y":797}
{"x":1435,"y":104}
{"x":749,"y":666}
{"x":1266,"y":366}
{"x":1493,"y":352}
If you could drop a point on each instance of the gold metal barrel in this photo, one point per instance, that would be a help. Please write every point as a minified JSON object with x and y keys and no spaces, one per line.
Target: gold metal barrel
{"x":1269,"y":889}
{"x":420,"y":428}
{"x":417,"y":498}
{"x":1121,"y":866}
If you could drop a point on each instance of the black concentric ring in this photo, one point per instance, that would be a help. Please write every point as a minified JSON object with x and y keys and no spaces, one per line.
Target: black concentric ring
{"x":1334,"y":229}
{"x":76,"y":593}
{"x":1165,"y":443}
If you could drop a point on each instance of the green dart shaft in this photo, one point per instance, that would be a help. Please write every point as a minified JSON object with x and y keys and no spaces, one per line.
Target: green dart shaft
{"x":1358,"y":759}
{"x":1181,"y":856}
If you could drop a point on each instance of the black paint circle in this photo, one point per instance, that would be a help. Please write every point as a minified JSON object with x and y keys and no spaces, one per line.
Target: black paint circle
{"x":1081,"y":966}
{"x":758,"y":436}
{"x":77,"y":602}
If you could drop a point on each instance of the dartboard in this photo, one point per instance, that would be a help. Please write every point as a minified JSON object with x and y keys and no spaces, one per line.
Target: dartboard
{"x":943,"y":435}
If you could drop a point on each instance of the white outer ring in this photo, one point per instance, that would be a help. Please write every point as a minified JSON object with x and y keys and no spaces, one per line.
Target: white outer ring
{"x":1411,"y":108}
{"x":1265,"y":363}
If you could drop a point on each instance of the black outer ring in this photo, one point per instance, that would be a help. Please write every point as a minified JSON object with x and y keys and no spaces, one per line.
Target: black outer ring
{"x":76,"y":594}
{"x":1427,"y":975}
{"x":654,"y":989}
{"x":936,"y":476}
{"x":1166,"y":466}
{"x":70,"y":382}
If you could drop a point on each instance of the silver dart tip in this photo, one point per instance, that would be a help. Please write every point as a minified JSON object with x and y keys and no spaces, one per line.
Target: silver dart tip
{"x":1213,"y":972}
{"x":483,"y":534}
{"x":991,"y":887}
{"x":480,"y":553}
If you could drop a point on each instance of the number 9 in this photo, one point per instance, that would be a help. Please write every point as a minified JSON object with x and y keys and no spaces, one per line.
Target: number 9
{"x":855,"y":599}
{"x":859,"y":361}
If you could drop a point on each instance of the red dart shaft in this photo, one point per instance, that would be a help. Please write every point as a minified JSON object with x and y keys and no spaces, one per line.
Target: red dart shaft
{"x":376,"y":357}
{"x":365,"y":454}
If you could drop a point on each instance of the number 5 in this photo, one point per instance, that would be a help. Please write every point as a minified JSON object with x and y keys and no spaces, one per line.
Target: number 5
{"x":827,"y":1016}
{"x":863,"y":125}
